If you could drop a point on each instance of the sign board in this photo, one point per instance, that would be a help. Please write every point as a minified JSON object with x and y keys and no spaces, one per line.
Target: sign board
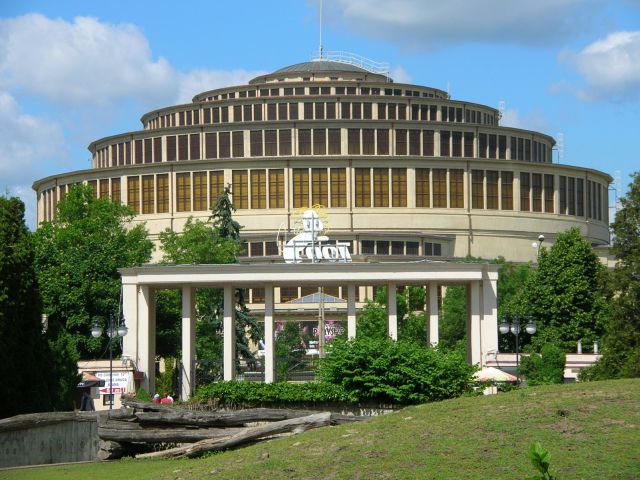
{"x":307,"y":245}
{"x":120,"y":382}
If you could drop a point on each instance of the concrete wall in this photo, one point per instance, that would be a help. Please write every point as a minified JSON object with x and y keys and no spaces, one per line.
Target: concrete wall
{"x":45,"y":438}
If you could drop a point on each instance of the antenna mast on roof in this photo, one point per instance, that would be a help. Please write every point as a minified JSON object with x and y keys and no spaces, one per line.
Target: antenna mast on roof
{"x":321,"y":52}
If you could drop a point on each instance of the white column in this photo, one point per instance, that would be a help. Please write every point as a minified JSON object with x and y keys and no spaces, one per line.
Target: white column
{"x":188,"y":342}
{"x":473,"y":323}
{"x":146,"y":359}
{"x":269,"y":337}
{"x":229,"y":333}
{"x":489,"y":324}
{"x":351,"y":311}
{"x":131,"y":341}
{"x":393,"y":311}
{"x":433,"y":314}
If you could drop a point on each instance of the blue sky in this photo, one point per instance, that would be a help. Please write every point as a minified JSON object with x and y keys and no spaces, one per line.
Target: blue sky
{"x":75,"y":71}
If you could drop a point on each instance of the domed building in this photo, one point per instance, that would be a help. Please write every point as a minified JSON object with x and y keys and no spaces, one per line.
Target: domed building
{"x":397,"y":172}
{"x":402,"y":171}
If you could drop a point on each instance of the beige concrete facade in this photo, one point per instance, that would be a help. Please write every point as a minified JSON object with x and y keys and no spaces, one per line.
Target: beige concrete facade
{"x":389,"y":162}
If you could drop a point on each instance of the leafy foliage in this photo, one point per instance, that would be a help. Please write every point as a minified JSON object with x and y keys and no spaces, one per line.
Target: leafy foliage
{"x":621,"y":352}
{"x":566,"y":295}
{"x":453,"y":320}
{"x":540,"y":459}
{"x":211,"y":242}
{"x":545,"y":368}
{"x":290,"y":351}
{"x":399,"y":372}
{"x":77,"y":257}
{"x":143,"y":395}
{"x":234,"y":393}
{"x":29,"y":385}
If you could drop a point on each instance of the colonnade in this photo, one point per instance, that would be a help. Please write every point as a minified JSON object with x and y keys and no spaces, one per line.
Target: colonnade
{"x":139,"y":285}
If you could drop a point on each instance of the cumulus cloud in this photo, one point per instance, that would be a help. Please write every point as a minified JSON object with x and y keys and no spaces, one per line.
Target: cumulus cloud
{"x":87,"y":61}
{"x":27,"y":143}
{"x":197,"y":81}
{"x":534,"y":120}
{"x":610,"y":67}
{"x":421,"y":25}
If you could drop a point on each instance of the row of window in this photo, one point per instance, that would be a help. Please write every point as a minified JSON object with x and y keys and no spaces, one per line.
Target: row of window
{"x":324,"y":90}
{"x":364,"y":247}
{"x":334,"y":110}
{"x":371,"y":187}
{"x":323,"y":141}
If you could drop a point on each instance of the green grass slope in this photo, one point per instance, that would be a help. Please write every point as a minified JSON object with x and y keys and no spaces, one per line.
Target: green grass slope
{"x":592,"y":431}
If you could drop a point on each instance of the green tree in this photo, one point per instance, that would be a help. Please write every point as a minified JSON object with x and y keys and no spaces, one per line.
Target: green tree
{"x":566,"y":295}
{"x":290,"y":350}
{"x":452,"y":329}
{"x":216,"y":241}
{"x":77,"y":258}
{"x":29,"y":384}
{"x":621,"y":346}
{"x":545,"y":368}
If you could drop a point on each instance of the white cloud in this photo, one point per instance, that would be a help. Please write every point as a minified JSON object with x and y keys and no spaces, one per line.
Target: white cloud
{"x":28,"y":142}
{"x":421,"y":25}
{"x":400,"y":75}
{"x":533,"y":120}
{"x":198,"y":81}
{"x":89,"y":62}
{"x":610,"y":67}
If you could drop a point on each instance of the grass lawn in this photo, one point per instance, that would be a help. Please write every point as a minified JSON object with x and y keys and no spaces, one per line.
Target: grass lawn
{"x":592,"y":431}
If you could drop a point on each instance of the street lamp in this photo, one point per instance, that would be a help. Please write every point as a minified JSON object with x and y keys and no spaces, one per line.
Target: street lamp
{"x":514,"y":327}
{"x":538,"y":244}
{"x":112,"y":332}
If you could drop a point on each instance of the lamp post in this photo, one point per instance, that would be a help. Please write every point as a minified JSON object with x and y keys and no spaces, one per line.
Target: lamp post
{"x":538,"y":244}
{"x":515,"y":328}
{"x":112,"y":332}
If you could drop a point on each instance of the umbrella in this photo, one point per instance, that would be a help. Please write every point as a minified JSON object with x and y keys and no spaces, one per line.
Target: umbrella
{"x":493,"y":374}
{"x":90,"y":380}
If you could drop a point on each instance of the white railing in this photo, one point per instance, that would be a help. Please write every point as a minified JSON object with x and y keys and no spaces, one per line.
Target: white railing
{"x":381,"y":68}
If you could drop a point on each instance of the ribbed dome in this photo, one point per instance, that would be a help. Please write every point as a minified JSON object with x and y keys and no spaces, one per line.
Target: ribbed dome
{"x":321,"y":66}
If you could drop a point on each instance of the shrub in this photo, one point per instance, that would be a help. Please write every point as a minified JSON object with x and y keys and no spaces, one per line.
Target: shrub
{"x":400,"y":372}
{"x":235,"y":393}
{"x":545,"y":368}
{"x":143,"y":395}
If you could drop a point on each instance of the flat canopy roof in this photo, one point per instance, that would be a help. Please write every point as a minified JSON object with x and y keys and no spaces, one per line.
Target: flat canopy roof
{"x":360,"y":273}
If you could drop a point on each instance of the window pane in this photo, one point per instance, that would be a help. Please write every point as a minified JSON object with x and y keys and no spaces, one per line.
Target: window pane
{"x":525,"y":192}
{"x":162,"y":188}
{"x":334,"y":141}
{"x":199,"y":191}
{"x":422,"y":188}
{"x":255,"y":138}
{"x":477,"y":189}
{"x":338,"y":187}
{"x":456,"y":197}
{"x":444,"y":144}
{"x":216,"y":185}
{"x":183,"y":192}
{"x":147,"y":194}
{"x":211,"y":145}
{"x":398,"y":187}
{"x":363,"y":187}
{"x":427,"y":143}
{"x":548,"y":193}
{"x":492,"y":189}
{"x":285,"y":142}
{"x":271,"y":143}
{"x":401,"y":142}
{"x":354,"y":141}
{"x":240,"y":189}
{"x":368,"y":145}
{"x":383,"y":141}
{"x":319,"y":142}
{"x":238,"y":144}
{"x":506,"y":188}
{"x":225,"y":144}
{"x":276,"y":188}
{"x":536,"y":192}
{"x":439,"y":187}
{"x":319,"y":187}
{"x":304,"y":142}
{"x":258,"y":189}
{"x":300,"y":188}
{"x":380,"y":187}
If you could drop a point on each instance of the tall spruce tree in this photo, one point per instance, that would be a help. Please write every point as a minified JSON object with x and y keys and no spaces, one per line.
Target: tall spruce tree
{"x":29,"y":384}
